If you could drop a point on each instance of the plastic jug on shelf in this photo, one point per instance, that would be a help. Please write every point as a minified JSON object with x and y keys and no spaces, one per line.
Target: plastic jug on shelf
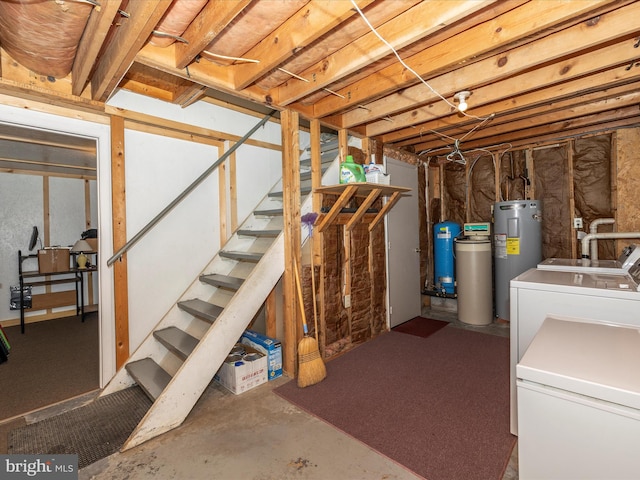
{"x":351,"y":171}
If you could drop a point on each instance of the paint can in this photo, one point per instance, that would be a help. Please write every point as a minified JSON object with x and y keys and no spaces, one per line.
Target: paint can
{"x":234,"y":359}
{"x":251,"y":357}
{"x":237,"y":350}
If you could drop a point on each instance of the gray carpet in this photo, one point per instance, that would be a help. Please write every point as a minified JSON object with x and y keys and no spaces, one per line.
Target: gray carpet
{"x":51,"y":362}
{"x":93,"y":431}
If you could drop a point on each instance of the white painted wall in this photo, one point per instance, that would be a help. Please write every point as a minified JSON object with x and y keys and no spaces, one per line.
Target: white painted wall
{"x":19,"y":112}
{"x":161,"y":265}
{"x":21,"y":208}
{"x":164,"y":263}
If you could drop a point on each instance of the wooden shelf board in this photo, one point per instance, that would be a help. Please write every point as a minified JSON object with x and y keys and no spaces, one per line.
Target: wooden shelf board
{"x":364,"y":189}
{"x":45,"y":301}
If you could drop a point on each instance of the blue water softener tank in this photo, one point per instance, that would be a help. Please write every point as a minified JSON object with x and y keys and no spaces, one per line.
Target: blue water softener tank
{"x":444,"y":275}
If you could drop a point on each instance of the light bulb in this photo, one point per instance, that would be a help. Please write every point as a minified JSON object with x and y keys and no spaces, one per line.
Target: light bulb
{"x":461,"y":97}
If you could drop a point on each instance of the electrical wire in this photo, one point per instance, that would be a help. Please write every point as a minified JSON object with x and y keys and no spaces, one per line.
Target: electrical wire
{"x":375,"y":32}
{"x":226,"y":57}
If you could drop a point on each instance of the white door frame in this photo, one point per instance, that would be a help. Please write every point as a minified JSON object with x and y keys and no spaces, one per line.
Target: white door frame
{"x":23,"y":113}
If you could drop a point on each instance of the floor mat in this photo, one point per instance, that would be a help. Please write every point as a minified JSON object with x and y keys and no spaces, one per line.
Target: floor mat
{"x":93,"y":431}
{"x":420,"y":326}
{"x":438,"y":406}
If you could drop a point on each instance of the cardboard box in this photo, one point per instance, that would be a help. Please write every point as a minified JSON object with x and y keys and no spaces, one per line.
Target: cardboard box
{"x":271,"y":347}
{"x":241,"y":376}
{"x":51,"y":260}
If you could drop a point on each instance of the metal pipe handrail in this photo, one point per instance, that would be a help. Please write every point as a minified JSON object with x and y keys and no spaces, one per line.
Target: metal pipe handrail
{"x":130,"y":243}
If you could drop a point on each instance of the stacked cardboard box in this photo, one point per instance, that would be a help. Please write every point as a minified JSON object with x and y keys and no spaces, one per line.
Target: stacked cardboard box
{"x":239,"y":375}
{"x":271,"y":347}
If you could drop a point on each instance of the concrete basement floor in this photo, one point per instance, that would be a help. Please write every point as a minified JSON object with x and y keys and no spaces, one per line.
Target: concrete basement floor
{"x":256,"y":435}
{"x":260,"y":436}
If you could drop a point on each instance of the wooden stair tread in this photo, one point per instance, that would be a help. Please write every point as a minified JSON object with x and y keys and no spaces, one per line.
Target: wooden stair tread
{"x":259,"y":233}
{"x":177,"y":341}
{"x":150,"y":376}
{"x":224,"y":281}
{"x":234,"y":255}
{"x":201,"y":309}
{"x":325,"y":157}
{"x":268,"y":212}
{"x":279,"y":194}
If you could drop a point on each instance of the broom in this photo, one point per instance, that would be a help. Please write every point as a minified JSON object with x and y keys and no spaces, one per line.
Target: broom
{"x":308,"y":219}
{"x":311,"y":369}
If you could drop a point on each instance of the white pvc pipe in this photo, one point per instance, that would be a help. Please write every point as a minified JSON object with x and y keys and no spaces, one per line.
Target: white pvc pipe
{"x":605,"y":235}
{"x":593,"y":228}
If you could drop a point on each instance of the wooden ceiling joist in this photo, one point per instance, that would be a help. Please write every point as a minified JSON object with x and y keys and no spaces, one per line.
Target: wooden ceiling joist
{"x":207,"y":25}
{"x":509,"y":27}
{"x":399,"y":32}
{"x":321,"y":59}
{"x":128,"y":38}
{"x":522,"y":91}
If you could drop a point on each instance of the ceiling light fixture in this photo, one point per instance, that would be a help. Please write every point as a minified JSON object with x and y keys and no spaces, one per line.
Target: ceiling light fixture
{"x":461,"y":97}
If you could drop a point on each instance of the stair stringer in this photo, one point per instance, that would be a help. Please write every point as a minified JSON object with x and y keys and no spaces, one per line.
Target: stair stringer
{"x":185,"y":388}
{"x":180,"y":395}
{"x":149,"y":347}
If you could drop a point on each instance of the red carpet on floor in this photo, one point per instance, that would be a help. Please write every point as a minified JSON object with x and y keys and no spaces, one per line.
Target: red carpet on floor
{"x":420,"y":326}
{"x":438,"y":406}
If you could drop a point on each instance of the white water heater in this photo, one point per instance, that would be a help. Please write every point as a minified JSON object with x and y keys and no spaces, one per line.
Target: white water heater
{"x":517,"y":241}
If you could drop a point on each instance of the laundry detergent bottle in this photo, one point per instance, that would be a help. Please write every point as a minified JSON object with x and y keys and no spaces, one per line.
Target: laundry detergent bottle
{"x":351,"y":171}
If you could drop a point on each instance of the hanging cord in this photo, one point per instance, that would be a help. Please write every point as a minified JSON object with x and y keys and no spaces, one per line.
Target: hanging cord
{"x":456,"y":156}
{"x":375,"y":32}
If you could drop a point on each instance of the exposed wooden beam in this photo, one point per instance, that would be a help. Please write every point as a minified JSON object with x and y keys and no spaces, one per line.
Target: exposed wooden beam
{"x":189,"y":94}
{"x":598,"y":122}
{"x":12,"y":71}
{"x":503,"y":31}
{"x":354,"y":27}
{"x":91,"y":42}
{"x":128,"y":39}
{"x":146,"y":89}
{"x":628,"y":168}
{"x":599,"y":101}
{"x":394,"y":9}
{"x":202,"y":72}
{"x":188,"y":129}
{"x":223,"y":222}
{"x":307,"y":25}
{"x":620,"y":100}
{"x":399,"y":32}
{"x":119,"y":221}
{"x":291,"y":204}
{"x":560,"y":79}
{"x":213,"y":18}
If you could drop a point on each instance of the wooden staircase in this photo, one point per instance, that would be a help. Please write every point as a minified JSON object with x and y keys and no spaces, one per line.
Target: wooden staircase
{"x":177,"y":361}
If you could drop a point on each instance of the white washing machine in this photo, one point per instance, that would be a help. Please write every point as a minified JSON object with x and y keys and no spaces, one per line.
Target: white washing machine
{"x":630,"y":256}
{"x":537,"y":293}
{"x":579,"y":402}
